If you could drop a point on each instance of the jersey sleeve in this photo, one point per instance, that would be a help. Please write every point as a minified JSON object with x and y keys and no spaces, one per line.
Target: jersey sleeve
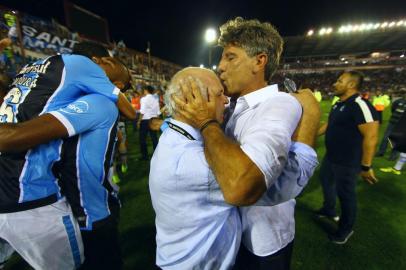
{"x":89,"y":77}
{"x":87,"y":113}
{"x":364,"y":112}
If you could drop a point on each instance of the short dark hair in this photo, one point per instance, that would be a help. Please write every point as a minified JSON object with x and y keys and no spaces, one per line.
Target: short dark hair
{"x":254,"y":37}
{"x":358,"y":76}
{"x":150,"y":89}
{"x":90,"y":49}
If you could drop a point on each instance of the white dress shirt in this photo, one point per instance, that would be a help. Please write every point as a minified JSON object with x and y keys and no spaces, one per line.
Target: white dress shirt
{"x":263,"y":123}
{"x":149,"y":107}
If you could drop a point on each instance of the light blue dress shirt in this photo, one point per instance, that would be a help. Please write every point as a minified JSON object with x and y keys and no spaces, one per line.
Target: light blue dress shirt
{"x":196,"y":229}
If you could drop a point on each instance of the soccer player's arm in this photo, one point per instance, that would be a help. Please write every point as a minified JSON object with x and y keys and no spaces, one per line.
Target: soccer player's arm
{"x":86,"y":113}
{"x":91,"y":79}
{"x":22,"y":136}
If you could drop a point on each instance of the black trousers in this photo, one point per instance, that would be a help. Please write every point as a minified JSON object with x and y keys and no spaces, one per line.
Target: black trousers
{"x":277,"y":261}
{"x":102,"y":247}
{"x":144,"y":130}
{"x":340,"y":181}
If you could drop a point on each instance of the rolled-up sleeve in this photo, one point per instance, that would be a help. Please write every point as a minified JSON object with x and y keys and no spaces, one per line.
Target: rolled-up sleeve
{"x":300,"y":166}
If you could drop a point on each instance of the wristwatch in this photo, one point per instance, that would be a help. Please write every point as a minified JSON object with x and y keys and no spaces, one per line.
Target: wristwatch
{"x":365,"y":168}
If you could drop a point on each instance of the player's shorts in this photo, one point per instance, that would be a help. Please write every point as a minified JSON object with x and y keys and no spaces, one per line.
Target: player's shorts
{"x":46,"y":237}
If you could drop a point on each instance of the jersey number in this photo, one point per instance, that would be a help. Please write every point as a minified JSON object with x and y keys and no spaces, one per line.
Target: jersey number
{"x":7,"y":109}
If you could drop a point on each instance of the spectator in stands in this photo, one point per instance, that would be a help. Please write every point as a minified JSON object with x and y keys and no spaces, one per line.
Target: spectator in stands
{"x":149,"y":108}
{"x":380,"y":102}
{"x":398,"y":109}
{"x":5,"y":81}
{"x":351,"y":137}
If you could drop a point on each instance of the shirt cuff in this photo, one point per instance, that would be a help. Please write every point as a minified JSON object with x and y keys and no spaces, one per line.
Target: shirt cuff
{"x":64,"y":121}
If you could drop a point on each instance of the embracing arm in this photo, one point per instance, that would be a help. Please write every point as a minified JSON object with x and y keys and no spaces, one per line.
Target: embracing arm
{"x":23,"y":136}
{"x":239,"y":178}
{"x":125,"y":107}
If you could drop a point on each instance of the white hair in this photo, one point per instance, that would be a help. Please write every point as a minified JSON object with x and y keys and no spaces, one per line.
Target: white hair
{"x":174,"y":90}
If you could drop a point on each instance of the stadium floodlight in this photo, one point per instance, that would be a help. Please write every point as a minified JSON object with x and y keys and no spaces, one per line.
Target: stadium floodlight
{"x":355,"y":27}
{"x":399,"y":23}
{"x":346,"y":62}
{"x":376,"y":26}
{"x":310,"y":32}
{"x":384,"y":25}
{"x":201,"y":66}
{"x":362,"y":27}
{"x":322,"y":31}
{"x":329,"y":30}
{"x":392,"y":24}
{"x":370,"y":26}
{"x":342,"y":59}
{"x":210,"y":35}
{"x":402,"y":55}
{"x":214,"y":67}
{"x":364,"y":62}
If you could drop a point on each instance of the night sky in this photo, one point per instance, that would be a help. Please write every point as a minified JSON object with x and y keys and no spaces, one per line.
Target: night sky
{"x":176,"y":28}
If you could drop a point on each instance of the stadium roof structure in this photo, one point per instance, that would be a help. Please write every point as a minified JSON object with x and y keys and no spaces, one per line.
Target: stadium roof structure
{"x":345,"y":44}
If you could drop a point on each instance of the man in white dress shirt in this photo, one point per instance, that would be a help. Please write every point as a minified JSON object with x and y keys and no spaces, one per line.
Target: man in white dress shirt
{"x":197,"y":228}
{"x":149,"y":109}
{"x":263,"y":123}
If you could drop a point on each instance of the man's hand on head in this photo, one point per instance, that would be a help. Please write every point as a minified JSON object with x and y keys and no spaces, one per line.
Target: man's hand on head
{"x":306,"y":131}
{"x":192,"y":106}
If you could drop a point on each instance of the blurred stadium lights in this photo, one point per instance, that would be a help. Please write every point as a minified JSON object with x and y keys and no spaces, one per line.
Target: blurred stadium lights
{"x":214,"y":67}
{"x":210,"y":35}
{"x":346,"y":62}
{"x":402,"y":55}
{"x":350,"y":28}
{"x":201,"y":66}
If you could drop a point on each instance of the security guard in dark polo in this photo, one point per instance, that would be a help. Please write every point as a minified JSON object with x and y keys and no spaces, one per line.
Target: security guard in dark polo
{"x":351,"y":138}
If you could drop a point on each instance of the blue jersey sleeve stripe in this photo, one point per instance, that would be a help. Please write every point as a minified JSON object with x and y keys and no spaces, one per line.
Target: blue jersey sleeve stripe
{"x":69,"y":127}
{"x":70,"y":230}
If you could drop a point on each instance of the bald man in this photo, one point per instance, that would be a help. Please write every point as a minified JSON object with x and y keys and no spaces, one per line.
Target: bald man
{"x":197,"y":226}
{"x":39,"y":170}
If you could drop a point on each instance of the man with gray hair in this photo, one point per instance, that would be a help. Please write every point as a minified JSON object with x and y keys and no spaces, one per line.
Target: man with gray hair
{"x":253,"y":151}
{"x":198,"y":227}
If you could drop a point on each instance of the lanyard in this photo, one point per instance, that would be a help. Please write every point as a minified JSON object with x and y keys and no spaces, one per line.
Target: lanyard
{"x":181,"y":131}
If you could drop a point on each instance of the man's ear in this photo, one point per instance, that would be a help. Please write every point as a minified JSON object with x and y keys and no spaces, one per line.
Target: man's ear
{"x":261,"y":60}
{"x":96,"y":60}
{"x":120,"y":85}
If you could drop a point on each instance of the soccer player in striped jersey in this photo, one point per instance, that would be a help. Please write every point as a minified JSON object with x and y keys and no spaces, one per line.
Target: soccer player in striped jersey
{"x":28,"y":178}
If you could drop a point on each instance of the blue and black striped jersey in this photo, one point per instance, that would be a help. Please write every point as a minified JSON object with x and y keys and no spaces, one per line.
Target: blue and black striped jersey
{"x":26,"y":178}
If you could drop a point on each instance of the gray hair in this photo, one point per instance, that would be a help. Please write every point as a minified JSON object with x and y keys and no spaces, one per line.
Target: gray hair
{"x":174,"y":90}
{"x":254,"y":37}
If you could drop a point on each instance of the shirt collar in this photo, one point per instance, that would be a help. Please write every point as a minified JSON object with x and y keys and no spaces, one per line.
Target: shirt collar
{"x":351,"y":98}
{"x":191,"y":130}
{"x":260,"y":95}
